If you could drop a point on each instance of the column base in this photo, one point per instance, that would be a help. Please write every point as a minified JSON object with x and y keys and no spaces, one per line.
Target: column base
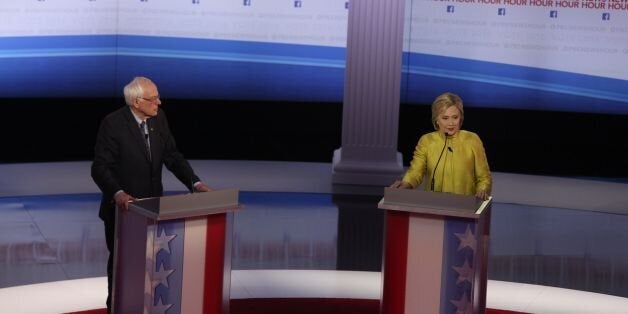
{"x":374,"y":173}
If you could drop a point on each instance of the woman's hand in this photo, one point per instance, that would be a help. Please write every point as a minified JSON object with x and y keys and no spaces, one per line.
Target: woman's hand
{"x":483,"y":195}
{"x":401,"y":185}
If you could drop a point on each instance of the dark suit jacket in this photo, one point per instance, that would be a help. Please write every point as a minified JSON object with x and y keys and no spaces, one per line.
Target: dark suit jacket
{"x":121,"y":161}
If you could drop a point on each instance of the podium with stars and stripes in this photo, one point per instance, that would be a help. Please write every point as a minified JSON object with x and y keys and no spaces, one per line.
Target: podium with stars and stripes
{"x":172,"y":254}
{"x":435,"y":252}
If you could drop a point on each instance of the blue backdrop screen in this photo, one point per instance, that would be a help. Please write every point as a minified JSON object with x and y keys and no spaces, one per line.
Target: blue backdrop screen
{"x":499,"y":55}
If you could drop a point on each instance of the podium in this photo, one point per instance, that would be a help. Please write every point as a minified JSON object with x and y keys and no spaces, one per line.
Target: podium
{"x":173,"y":254}
{"x":435,"y":252}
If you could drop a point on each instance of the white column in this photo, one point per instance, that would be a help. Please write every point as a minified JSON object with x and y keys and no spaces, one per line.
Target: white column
{"x":370,"y":120}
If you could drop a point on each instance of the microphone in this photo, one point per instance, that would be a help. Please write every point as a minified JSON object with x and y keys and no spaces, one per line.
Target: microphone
{"x":437,"y":162}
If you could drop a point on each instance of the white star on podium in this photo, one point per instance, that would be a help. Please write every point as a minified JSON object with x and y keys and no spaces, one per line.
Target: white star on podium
{"x":463,"y":306}
{"x":465,"y":272}
{"x":160,"y":308}
{"x":467,"y":239}
{"x":161,"y":277}
{"x":162,"y":242}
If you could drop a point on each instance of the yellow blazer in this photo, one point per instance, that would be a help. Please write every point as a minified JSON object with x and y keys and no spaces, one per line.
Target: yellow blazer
{"x":463,"y":168}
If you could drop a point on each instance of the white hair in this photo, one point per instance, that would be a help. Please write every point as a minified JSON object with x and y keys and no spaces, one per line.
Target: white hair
{"x":134,"y":89}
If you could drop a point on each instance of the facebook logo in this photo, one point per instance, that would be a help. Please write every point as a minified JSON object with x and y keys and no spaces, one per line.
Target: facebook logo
{"x":606,"y":16}
{"x":246,"y":3}
{"x":450,"y":9}
{"x":553,"y":14}
{"x":297,"y":4}
{"x":346,"y":4}
{"x":501,"y":11}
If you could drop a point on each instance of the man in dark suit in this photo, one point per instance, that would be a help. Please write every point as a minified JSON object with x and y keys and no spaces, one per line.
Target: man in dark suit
{"x":133,"y":144}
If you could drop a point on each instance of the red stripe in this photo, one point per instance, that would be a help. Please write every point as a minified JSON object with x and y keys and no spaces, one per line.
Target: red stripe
{"x":214,"y":263}
{"x":395,"y":262}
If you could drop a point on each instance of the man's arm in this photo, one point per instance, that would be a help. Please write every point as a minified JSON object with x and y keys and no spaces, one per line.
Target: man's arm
{"x":105,"y":155}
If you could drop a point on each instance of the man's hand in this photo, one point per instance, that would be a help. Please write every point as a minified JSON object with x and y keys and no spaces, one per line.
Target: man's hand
{"x":401,"y":185}
{"x":122,"y":200}
{"x":201,"y":187}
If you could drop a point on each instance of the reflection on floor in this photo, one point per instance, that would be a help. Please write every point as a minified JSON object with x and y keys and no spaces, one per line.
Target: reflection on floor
{"x":49,"y":238}
{"x":46,"y":238}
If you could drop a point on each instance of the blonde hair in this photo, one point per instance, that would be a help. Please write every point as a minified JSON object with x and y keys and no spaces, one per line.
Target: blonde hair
{"x":444,"y":101}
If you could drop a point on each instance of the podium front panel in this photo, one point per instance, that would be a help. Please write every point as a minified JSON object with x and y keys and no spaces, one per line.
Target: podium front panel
{"x":434,"y":264}
{"x":174,"y":266}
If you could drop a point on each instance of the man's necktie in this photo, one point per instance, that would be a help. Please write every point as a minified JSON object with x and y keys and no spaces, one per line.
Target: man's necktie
{"x":145,"y":136}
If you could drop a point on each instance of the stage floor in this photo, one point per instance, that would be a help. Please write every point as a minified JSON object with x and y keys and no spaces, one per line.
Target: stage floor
{"x":89,"y":293}
{"x":298,"y":228}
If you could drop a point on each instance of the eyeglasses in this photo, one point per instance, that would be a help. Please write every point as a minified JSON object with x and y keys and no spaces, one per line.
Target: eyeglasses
{"x":150,"y":99}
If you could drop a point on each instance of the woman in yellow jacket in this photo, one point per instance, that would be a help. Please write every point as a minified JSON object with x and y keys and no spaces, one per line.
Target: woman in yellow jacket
{"x":450,"y":159}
